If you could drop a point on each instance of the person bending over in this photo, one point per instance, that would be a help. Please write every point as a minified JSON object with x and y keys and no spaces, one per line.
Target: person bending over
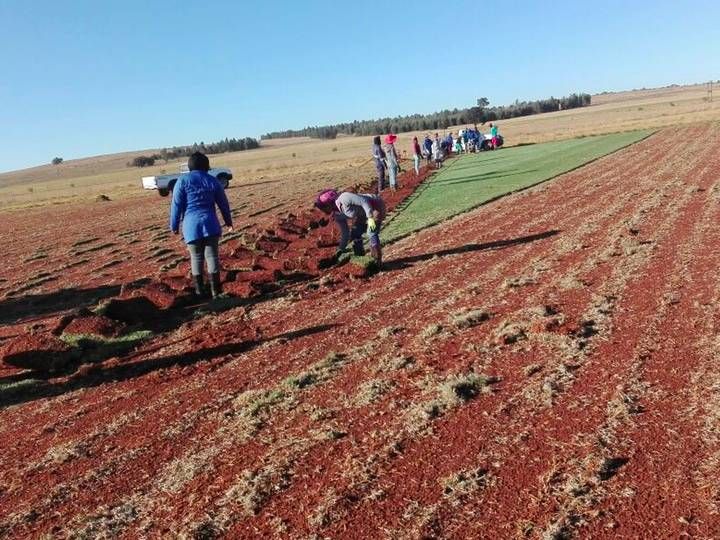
{"x":355,"y":214}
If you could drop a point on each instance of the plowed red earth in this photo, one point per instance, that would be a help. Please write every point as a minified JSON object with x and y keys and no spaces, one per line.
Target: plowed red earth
{"x":355,"y":408}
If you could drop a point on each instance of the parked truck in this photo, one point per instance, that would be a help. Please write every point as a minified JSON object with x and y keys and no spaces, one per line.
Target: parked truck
{"x":164,"y":183}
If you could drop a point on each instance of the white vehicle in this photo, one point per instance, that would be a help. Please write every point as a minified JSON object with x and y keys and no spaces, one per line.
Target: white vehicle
{"x":165,"y":183}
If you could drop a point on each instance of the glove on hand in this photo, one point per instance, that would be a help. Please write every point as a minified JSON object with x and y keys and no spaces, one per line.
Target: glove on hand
{"x":371,"y":225}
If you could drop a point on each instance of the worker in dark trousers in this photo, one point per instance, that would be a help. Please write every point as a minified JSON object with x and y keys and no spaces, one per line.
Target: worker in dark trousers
{"x":364,"y":213}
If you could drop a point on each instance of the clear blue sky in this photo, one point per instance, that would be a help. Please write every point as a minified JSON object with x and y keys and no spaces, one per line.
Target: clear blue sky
{"x":90,"y":77}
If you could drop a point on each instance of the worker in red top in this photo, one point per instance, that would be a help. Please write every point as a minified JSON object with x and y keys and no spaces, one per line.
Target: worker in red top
{"x":417,"y":155}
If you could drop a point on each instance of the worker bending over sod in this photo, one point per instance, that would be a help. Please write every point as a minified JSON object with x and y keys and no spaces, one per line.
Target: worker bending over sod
{"x":362,"y":212}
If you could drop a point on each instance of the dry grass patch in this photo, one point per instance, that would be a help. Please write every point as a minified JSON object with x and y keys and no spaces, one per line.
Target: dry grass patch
{"x":510,"y":332}
{"x":390,"y":331}
{"x":450,"y":392}
{"x":470,"y":318}
{"x":320,"y":372}
{"x":370,"y":391}
{"x":254,"y":488}
{"x":464,"y":483}
{"x":395,"y":363}
{"x":431,"y":331}
{"x":517,"y":282}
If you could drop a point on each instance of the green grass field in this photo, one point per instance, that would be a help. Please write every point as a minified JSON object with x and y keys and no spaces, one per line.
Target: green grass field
{"x":476,"y":179}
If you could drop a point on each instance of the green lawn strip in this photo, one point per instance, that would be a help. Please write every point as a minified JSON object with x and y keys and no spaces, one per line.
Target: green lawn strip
{"x":475,"y":179}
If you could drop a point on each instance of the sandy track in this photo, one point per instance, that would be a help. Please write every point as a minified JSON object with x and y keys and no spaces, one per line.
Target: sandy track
{"x":588,"y":303}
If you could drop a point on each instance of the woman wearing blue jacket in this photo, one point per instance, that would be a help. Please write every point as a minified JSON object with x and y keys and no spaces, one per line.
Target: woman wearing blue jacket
{"x":194,"y":198}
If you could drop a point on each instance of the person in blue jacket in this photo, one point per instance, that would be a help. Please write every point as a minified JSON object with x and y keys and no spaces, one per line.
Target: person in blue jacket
{"x":194,"y":198}
{"x":427,"y":146}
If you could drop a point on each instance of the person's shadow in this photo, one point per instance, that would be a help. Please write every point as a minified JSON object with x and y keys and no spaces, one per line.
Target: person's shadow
{"x":14,"y":392}
{"x":407,"y":262}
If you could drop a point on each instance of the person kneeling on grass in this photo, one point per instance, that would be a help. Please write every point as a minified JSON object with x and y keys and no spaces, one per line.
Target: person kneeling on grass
{"x":194,"y":198}
{"x":366,"y":212}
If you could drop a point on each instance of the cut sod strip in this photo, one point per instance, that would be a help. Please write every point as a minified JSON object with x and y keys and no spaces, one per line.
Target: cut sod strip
{"x":476,"y":179}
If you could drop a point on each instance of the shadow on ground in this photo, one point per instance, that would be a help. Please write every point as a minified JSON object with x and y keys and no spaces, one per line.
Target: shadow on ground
{"x":27,"y":387}
{"x":407,"y":262}
{"x":19,"y":308}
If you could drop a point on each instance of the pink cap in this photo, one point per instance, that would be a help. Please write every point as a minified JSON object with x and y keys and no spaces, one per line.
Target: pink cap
{"x":390,"y":138}
{"x":326,"y":196}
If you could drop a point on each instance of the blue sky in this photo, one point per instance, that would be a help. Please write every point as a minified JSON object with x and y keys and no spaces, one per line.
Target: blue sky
{"x":91,"y":77}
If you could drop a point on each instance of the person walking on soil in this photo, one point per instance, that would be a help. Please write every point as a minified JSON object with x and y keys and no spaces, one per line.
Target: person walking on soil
{"x":194,"y":198}
{"x":379,"y":156}
{"x":364,"y":212}
{"x":417,"y":155}
{"x":392,"y":160}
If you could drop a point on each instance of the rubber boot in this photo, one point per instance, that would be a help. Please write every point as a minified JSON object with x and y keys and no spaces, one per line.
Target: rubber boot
{"x":358,"y":249}
{"x":376,"y":253}
{"x":215,"y":285}
{"x":199,"y":285}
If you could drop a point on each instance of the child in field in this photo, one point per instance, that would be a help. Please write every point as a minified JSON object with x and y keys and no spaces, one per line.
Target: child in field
{"x":364,"y":212}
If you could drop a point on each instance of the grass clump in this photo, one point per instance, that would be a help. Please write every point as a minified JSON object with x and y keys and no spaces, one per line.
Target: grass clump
{"x":37,"y":256}
{"x":301,"y":381}
{"x":372,"y":390}
{"x":8,"y":390}
{"x":260,"y":401}
{"x":431,"y":331}
{"x":97,"y":348}
{"x":389,"y":331}
{"x":464,"y":482}
{"x":462,"y":388}
{"x":470,"y":318}
{"x":319,"y":372}
{"x":366,"y":262}
{"x":452,"y":392}
{"x":395,"y":363}
{"x":95,"y":248}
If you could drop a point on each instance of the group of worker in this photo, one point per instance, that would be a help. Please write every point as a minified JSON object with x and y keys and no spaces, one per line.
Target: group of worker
{"x":433,"y":150}
{"x":196,"y":194}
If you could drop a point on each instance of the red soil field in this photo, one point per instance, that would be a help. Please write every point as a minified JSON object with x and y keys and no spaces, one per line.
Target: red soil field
{"x":543,"y":367}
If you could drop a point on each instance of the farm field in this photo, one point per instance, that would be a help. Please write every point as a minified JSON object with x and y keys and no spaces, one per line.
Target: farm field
{"x":477,"y":178}
{"x":542,"y":366}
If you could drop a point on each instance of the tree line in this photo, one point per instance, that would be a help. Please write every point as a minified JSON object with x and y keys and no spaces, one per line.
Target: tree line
{"x":480,"y":113}
{"x":220,"y":147}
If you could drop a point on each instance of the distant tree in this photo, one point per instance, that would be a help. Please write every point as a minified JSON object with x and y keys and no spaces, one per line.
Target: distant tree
{"x":480,"y":113}
{"x":57,"y":160}
{"x":142,"y":161}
